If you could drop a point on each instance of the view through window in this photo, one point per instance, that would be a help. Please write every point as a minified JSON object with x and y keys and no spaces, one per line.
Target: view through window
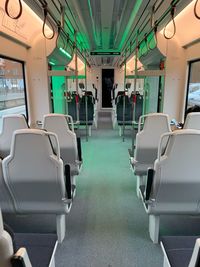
{"x":12,"y":88}
{"x":193,"y":97}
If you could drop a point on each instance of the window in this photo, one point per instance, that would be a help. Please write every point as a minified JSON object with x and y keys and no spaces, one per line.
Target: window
{"x":193,"y":93}
{"x":12,"y":88}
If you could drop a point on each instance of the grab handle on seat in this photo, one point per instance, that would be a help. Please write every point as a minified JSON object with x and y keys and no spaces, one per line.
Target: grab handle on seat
{"x":56,"y":142}
{"x":141,"y":121}
{"x":71,"y":122}
{"x":160,"y":145}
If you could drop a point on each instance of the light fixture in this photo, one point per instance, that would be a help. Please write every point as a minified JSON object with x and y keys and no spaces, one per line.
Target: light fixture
{"x":65,"y":52}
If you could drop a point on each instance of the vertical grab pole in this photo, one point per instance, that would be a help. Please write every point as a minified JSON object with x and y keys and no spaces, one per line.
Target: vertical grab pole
{"x":66,"y":95}
{"x":86,"y":99}
{"x":76,"y":75}
{"x":134,"y":99}
{"x":62,"y":20}
{"x":124,"y":100}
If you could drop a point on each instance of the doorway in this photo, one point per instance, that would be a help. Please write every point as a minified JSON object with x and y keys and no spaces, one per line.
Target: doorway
{"x":107,"y":86}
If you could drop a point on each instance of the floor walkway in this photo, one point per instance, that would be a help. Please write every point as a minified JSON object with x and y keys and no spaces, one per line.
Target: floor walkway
{"x":107,"y":226}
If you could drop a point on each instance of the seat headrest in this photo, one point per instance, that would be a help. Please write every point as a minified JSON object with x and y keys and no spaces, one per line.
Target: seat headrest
{"x":54,"y":122}
{"x":192,"y":121}
{"x":14,"y":121}
{"x":26,"y":140}
{"x":179,"y":139}
{"x":155,"y":121}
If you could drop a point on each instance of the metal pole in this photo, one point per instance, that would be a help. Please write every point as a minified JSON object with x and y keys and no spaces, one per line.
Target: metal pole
{"x":66,"y":91}
{"x":76,"y":75}
{"x":124,"y":100}
{"x":86,"y":102}
{"x":134,"y":100}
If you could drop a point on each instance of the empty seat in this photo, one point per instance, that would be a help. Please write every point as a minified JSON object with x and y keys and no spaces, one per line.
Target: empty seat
{"x":124,"y":110}
{"x":192,"y":121}
{"x":173,"y":185}
{"x":34,"y":250}
{"x":72,"y":106}
{"x":119,"y":93}
{"x":34,"y":176}
{"x":138,"y":99}
{"x":181,"y":251}
{"x":9,"y":125}
{"x":57,"y":123}
{"x":146,"y":144}
{"x":86,"y":111}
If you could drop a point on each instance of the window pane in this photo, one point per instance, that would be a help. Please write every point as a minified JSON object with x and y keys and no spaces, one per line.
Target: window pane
{"x":194,"y":85}
{"x":12,"y":91}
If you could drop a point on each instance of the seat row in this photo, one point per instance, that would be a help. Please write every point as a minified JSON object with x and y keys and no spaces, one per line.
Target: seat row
{"x":83,"y":109}
{"x":123,"y":112}
{"x":167,"y":167}
{"x":37,"y":176}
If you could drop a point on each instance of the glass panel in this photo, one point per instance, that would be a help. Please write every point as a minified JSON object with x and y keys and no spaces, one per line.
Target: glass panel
{"x":12,"y":89}
{"x":193,"y":97}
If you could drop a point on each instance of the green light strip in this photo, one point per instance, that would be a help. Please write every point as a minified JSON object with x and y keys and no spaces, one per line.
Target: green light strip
{"x":65,"y":52}
{"x":52,"y":63}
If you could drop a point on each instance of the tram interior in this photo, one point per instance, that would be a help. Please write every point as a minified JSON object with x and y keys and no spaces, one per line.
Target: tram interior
{"x":99,"y":133}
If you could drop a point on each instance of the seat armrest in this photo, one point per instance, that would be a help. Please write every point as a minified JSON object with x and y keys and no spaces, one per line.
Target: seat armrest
{"x":68,"y":181}
{"x":150,"y":175}
{"x":79,"y":149}
{"x":21,"y":259}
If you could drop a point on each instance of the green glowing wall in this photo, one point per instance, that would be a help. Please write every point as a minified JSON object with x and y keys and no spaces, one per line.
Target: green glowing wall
{"x":58,"y":89}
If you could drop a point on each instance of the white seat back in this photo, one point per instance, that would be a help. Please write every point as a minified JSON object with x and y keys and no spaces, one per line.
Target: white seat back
{"x":57,"y":123}
{"x":192,"y":121}
{"x":9,"y":125}
{"x":6,"y":201}
{"x":147,"y":139}
{"x":34,"y":174}
{"x":176,"y":183}
{"x":6,"y":246}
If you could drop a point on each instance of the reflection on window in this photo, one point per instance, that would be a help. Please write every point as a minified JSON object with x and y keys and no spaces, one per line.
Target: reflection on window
{"x":12,"y":92}
{"x":194,"y":85}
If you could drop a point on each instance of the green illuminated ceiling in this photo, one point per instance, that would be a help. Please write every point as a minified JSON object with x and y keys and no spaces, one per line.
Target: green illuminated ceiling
{"x":131,"y":20}
{"x":107,"y":22}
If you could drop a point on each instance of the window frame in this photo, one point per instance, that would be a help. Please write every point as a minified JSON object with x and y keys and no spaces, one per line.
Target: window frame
{"x":24,"y":80}
{"x":188,"y":82}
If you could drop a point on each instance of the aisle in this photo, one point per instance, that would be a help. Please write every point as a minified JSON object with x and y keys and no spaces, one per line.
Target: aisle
{"x":107,"y":225}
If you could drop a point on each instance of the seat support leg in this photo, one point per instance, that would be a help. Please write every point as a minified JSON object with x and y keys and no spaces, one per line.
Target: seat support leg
{"x":90,"y":130}
{"x":120,"y":131}
{"x":154,"y":225}
{"x":61,"y":227}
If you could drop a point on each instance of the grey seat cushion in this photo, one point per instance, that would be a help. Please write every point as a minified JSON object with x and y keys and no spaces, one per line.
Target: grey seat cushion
{"x":39,"y":247}
{"x":179,"y":249}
